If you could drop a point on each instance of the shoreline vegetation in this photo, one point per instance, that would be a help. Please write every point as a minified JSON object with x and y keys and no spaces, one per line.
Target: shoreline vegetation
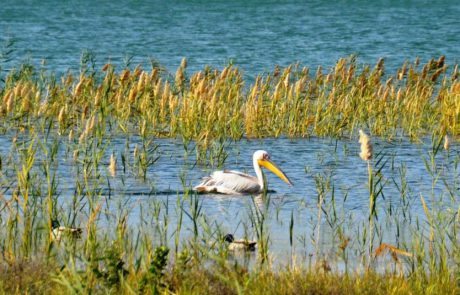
{"x":79,"y":115}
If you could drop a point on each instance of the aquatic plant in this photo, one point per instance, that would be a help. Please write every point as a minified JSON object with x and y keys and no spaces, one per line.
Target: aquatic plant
{"x":217,"y":104}
{"x":103,"y":129}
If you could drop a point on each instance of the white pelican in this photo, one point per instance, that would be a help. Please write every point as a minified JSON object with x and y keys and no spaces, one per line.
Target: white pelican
{"x":58,"y":231}
{"x":241,"y":244}
{"x":236,"y":183}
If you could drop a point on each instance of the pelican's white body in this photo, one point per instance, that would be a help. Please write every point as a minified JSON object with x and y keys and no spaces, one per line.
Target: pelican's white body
{"x":234,"y":182}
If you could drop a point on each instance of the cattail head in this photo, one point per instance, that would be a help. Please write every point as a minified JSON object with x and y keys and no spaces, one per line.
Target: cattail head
{"x":202,"y":87}
{"x":106,"y":67}
{"x":286,"y":80}
{"x":166,"y":91}
{"x":136,"y":151}
{"x":42,"y":108}
{"x":366,"y":146}
{"x":92,"y":123}
{"x":82,"y":137}
{"x":224,"y":73}
{"x":97,"y":98}
{"x":440,"y":61}
{"x":9,"y":103}
{"x":137,"y":71}
{"x":124,"y":75}
{"x":143,"y":128}
{"x":183,"y":63}
{"x":75,"y":155}
{"x":77,"y":90}
{"x":113,"y":165}
{"x":61,"y":116}
{"x":154,"y":75}
{"x":25,"y":107}
{"x":180,"y":77}
{"x":132,"y":95}
{"x":446,"y":142}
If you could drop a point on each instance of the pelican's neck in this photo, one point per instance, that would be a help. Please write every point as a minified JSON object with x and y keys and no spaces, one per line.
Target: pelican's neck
{"x":260,"y":175}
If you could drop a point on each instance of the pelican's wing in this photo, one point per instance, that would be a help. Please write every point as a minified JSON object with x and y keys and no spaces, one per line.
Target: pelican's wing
{"x":228,"y":182}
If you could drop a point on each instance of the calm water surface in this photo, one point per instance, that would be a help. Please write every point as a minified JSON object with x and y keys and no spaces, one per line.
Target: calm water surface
{"x":255,"y":35}
{"x":310,"y":164}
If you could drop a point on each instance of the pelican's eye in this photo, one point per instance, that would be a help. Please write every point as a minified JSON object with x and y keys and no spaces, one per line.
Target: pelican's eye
{"x":266,"y":157}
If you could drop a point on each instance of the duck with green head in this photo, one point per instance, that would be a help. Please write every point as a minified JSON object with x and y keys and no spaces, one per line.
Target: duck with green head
{"x":58,"y":231}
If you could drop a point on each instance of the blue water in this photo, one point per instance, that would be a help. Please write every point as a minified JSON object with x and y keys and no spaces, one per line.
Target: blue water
{"x":314,"y":165}
{"x":254,"y":35}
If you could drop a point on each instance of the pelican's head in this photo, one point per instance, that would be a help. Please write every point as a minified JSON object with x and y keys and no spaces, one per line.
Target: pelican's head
{"x":263,"y":160}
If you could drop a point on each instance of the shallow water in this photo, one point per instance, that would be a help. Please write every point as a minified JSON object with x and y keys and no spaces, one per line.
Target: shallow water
{"x":306,"y":161}
{"x":255,"y":35}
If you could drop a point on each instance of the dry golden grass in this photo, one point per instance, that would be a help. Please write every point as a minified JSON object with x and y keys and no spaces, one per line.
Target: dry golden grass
{"x":213,"y":104}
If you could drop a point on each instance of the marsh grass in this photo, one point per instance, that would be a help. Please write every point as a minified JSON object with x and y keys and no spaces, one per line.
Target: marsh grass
{"x":166,"y":247}
{"x":162,"y":246}
{"x":233,"y":280}
{"x":214,"y":104}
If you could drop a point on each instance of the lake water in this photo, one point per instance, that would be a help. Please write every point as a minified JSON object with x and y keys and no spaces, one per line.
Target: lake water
{"x":309,"y":163}
{"x":313,"y":165}
{"x":254,"y":35}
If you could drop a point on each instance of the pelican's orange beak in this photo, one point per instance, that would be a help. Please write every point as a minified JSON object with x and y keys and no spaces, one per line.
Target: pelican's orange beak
{"x":273,"y":168}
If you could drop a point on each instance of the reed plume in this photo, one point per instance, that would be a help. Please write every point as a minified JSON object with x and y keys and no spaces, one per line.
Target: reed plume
{"x":9,"y":103}
{"x":366,"y":155}
{"x":446,"y":142}
{"x":136,"y":151}
{"x":61,"y":116}
{"x":113,"y":165}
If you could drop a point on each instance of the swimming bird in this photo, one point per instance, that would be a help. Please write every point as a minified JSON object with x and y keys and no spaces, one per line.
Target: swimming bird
{"x":239,"y":245}
{"x":236,"y":183}
{"x":58,"y":231}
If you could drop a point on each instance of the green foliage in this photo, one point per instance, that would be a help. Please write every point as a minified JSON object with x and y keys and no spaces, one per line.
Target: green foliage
{"x":153,"y":279}
{"x":72,"y":121}
{"x":113,"y":272}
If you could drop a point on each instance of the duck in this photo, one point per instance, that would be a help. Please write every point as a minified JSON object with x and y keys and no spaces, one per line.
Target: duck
{"x":240,"y":244}
{"x":58,"y":231}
